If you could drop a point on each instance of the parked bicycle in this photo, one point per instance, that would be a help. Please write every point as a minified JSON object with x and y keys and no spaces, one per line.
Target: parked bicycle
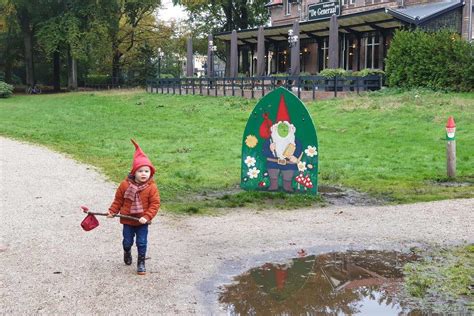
{"x":35,"y":89}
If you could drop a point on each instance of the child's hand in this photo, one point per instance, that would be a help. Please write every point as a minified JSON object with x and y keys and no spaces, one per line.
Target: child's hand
{"x":142,"y":220}
{"x":110,"y":215}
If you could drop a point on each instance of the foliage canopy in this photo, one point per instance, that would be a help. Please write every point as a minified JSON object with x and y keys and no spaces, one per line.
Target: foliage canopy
{"x":436,"y":60}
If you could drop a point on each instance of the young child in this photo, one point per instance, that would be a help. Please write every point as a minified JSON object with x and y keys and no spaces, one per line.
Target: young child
{"x":137,"y":196}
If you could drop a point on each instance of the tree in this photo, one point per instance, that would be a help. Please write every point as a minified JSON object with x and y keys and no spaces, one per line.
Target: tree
{"x":225,"y":15}
{"x":89,"y":36}
{"x":74,"y":30}
{"x":10,"y":40}
{"x":28,"y":14}
{"x":125,"y":17}
{"x":213,"y":16}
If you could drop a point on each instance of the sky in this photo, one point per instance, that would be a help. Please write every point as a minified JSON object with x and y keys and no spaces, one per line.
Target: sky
{"x":169,"y":12}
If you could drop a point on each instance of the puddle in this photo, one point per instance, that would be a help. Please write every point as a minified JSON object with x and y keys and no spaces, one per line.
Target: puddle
{"x":354,"y":282}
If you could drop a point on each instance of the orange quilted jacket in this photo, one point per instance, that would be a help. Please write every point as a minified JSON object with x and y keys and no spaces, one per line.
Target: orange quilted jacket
{"x":150,"y":198}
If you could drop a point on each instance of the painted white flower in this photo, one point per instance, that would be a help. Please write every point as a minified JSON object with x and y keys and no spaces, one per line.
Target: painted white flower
{"x":253,"y":173}
{"x":302,"y":166}
{"x":250,"y":161}
{"x":311,"y":151}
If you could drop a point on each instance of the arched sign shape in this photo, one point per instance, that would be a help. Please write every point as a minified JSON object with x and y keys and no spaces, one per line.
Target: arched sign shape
{"x":280,"y":146}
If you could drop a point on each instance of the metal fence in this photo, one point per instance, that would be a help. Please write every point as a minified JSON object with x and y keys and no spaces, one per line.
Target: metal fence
{"x":311,"y":87}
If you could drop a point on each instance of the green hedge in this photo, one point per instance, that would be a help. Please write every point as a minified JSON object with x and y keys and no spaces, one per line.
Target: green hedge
{"x":368,"y":72}
{"x":6,"y":89}
{"x":436,"y":60}
{"x":331,"y":73}
{"x":98,"y":79}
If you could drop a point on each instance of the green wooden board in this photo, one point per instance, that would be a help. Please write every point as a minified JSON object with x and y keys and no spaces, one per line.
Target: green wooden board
{"x":280,"y":152}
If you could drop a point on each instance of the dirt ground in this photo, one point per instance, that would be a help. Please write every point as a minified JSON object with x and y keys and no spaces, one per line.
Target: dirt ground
{"x":50,"y":265}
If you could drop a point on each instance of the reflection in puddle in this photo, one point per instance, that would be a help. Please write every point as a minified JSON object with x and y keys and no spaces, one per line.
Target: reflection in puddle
{"x":335,"y":283}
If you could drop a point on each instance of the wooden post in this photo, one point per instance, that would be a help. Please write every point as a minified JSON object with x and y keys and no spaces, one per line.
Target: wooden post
{"x":451,"y":148}
{"x":451,"y":158}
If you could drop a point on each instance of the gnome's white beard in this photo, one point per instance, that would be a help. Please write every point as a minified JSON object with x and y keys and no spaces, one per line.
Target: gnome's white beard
{"x":282,"y":142}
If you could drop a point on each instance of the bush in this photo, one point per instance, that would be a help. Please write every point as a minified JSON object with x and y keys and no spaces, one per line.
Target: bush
{"x":331,"y":72}
{"x":6,"y":89}
{"x":280,"y":74}
{"x":14,"y":79}
{"x":98,"y":79}
{"x":368,"y":72}
{"x":436,"y":60}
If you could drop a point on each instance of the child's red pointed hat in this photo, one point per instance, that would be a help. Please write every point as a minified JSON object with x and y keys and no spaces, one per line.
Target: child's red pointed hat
{"x":140,"y":160}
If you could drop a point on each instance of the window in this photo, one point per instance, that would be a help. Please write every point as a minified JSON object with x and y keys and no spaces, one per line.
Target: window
{"x":346,"y":2}
{"x":287,"y":7}
{"x":351,"y":54}
{"x":372,"y":52}
{"x":325,"y":53}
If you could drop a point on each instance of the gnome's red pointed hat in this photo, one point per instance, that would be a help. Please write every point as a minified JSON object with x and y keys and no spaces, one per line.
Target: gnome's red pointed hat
{"x":140,"y":160}
{"x":282,"y":115}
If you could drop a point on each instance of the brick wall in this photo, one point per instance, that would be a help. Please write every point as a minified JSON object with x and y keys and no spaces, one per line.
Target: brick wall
{"x":278,"y":16}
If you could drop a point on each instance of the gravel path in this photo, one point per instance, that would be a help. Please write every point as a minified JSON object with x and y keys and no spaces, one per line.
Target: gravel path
{"x":50,"y":265}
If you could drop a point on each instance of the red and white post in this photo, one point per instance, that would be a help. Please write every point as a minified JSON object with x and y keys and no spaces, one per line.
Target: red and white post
{"x":451,"y":148}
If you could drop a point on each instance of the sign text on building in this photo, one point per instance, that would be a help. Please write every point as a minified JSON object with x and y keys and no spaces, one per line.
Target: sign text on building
{"x":323,"y":10}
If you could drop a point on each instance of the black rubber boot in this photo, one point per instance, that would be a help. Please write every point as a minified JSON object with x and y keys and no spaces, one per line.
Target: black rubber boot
{"x":141,"y":265}
{"x":127,"y":257}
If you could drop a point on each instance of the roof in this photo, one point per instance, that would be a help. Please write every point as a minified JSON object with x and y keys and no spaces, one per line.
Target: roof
{"x":422,"y":13}
{"x":274,"y":3}
{"x":359,"y":22}
{"x":355,"y":23}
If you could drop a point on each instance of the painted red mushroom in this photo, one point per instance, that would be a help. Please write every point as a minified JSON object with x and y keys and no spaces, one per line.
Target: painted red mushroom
{"x":300,"y":180}
{"x":307,"y":183}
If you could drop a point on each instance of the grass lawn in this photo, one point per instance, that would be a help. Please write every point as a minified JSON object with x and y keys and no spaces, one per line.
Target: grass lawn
{"x":389,"y":144}
{"x":442,"y":280}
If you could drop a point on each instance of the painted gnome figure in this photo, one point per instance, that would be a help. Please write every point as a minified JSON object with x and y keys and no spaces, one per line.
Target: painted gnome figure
{"x":281,"y":148}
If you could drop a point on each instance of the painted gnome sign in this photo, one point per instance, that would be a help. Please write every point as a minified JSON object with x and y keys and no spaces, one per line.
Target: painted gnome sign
{"x":280,"y":147}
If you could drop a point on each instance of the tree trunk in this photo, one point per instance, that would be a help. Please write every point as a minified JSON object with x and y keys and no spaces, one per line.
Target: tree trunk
{"x":116,"y":68}
{"x":8,"y":72}
{"x":8,"y":57}
{"x":56,"y":72}
{"x":25,"y":25}
{"x":71,"y":72}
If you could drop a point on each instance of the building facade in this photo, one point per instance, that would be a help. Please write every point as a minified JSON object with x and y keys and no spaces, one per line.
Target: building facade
{"x":361,"y":32}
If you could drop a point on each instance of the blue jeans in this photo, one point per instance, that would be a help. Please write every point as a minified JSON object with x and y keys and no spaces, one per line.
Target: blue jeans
{"x":129,"y":233}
